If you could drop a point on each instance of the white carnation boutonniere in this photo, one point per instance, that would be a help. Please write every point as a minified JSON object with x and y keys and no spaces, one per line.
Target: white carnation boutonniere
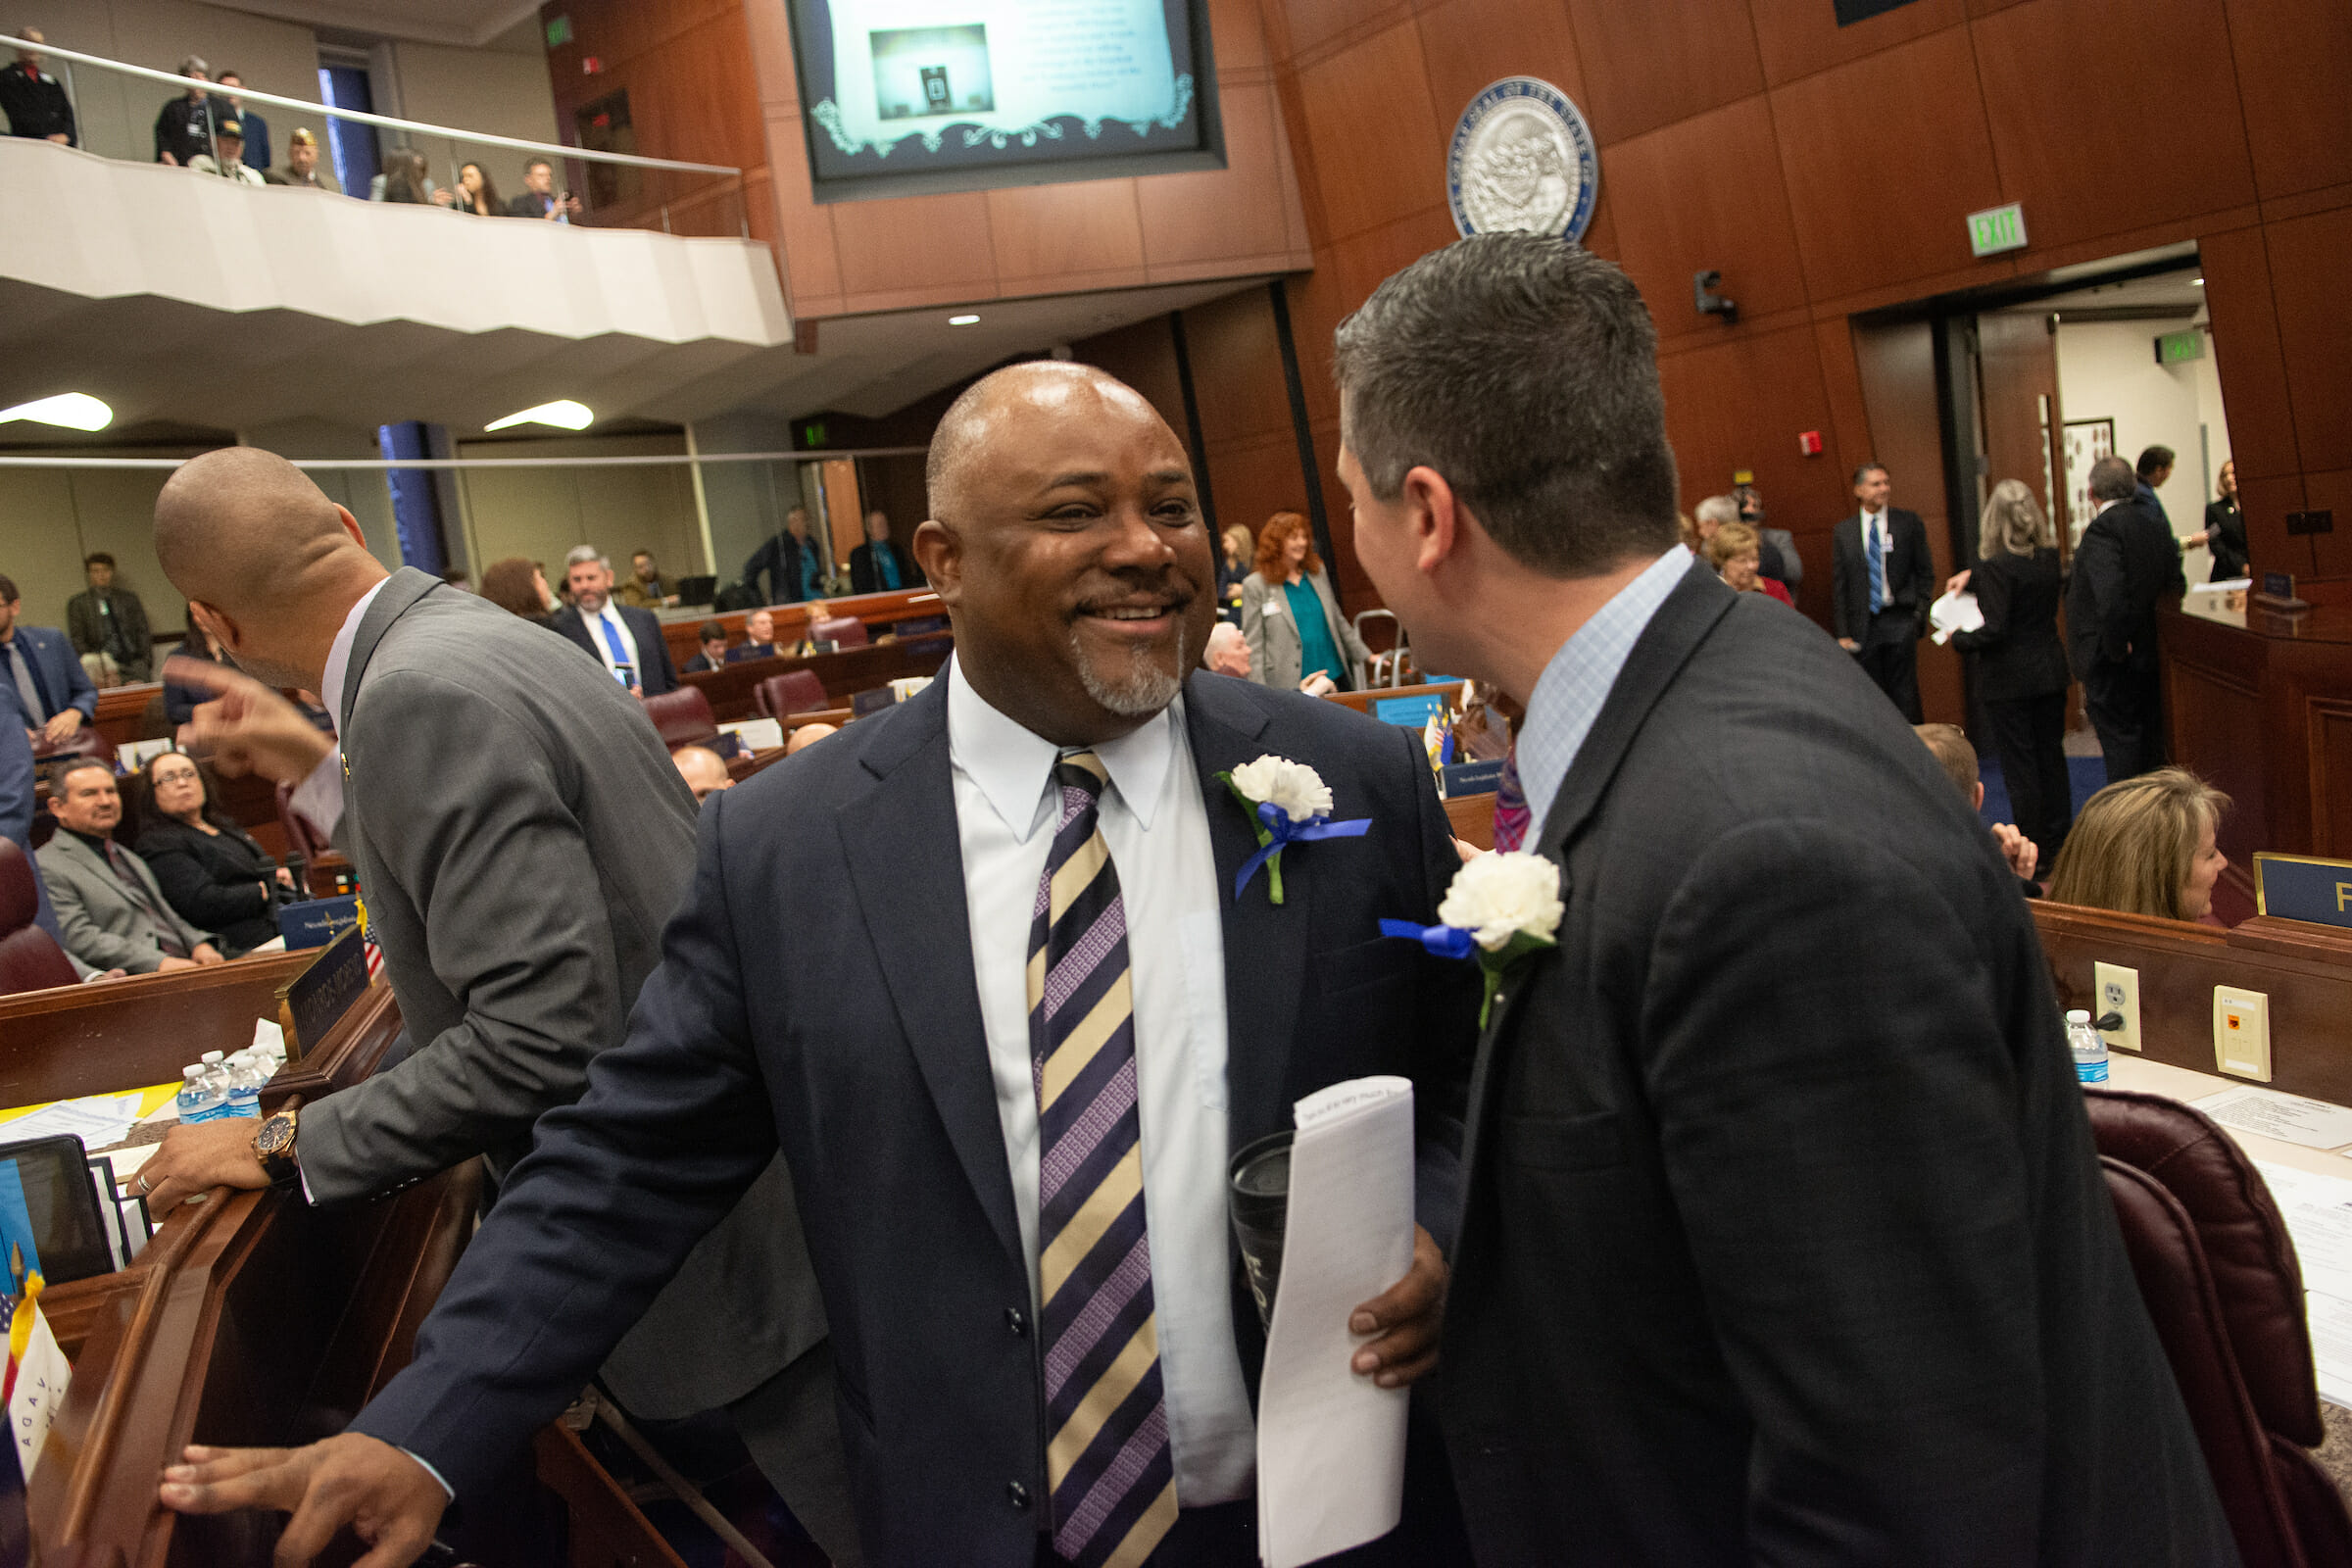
{"x":1497,"y":910}
{"x":1287,"y":803}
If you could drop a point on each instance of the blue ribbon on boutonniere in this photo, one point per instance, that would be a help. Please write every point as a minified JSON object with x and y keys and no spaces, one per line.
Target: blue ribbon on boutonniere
{"x":1276,"y":831}
{"x":1443,"y":941}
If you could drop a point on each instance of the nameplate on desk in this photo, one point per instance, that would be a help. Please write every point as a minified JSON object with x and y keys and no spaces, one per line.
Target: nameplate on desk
{"x":1415,"y":712}
{"x":317,"y":1000}
{"x":2301,"y":887}
{"x":1457,"y":779}
{"x":315,"y":923}
{"x":2278,"y":592}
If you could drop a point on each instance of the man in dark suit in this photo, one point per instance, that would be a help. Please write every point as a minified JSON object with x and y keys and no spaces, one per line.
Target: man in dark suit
{"x":880,"y":566}
{"x":40,"y":678}
{"x":713,"y":636}
{"x":792,"y":564}
{"x":1784,"y":1237}
{"x":108,"y":625}
{"x":1030,"y":1373}
{"x":33,"y":101}
{"x":627,"y":641}
{"x":19,"y":788}
{"x":2126,"y":565}
{"x":1883,"y":581}
{"x":523,"y":837}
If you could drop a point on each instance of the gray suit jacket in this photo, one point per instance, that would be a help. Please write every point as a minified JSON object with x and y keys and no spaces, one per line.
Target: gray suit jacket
{"x":1275,"y":659}
{"x":101,"y":924}
{"x":522,"y":838}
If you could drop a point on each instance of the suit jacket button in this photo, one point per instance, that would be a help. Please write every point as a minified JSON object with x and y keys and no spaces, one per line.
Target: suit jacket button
{"x":1017,"y":1494}
{"x":1018,"y":1321}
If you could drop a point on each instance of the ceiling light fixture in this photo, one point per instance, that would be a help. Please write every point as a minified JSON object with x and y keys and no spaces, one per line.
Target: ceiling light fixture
{"x":564,"y":414}
{"x":75,"y":411}
{"x":963,"y":320}
{"x":2196,"y":282}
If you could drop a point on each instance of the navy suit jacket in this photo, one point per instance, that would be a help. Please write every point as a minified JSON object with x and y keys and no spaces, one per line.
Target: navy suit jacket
{"x":17,"y":785}
{"x":656,"y":674}
{"x":57,"y":669}
{"x":816,"y":994}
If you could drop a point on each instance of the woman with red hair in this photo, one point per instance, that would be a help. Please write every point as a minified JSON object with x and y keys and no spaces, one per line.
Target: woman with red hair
{"x":1290,"y":617}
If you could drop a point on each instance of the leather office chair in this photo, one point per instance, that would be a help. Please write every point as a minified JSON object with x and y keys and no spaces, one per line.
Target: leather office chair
{"x":29,"y":958}
{"x":796,"y":691}
{"x":84,"y":741}
{"x":845,"y":631}
{"x":2219,"y":1277}
{"x":872,"y":702}
{"x":682,"y":717}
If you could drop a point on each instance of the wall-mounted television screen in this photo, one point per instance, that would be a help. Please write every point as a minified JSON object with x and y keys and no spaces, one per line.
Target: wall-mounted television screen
{"x":904,"y":97}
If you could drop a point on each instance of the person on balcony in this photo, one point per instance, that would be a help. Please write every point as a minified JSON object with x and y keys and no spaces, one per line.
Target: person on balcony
{"x":257,"y":129}
{"x":539,"y":198}
{"x":228,"y":135}
{"x":476,"y":193}
{"x":301,"y":165}
{"x":404,"y":179}
{"x":33,"y":101}
{"x":185,"y":126}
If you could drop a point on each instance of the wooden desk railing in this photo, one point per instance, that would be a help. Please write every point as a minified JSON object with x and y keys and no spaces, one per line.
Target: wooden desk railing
{"x":879,"y":612}
{"x":1362,"y":701}
{"x":730,"y":691}
{"x":2306,"y":970}
{"x":122,"y":1034}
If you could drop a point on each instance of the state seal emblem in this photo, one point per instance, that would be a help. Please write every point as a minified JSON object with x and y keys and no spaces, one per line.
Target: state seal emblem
{"x":1523,"y":160}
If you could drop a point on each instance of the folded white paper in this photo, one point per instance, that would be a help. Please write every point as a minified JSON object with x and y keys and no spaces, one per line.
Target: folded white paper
{"x":1955,"y":613}
{"x":1330,"y":1442}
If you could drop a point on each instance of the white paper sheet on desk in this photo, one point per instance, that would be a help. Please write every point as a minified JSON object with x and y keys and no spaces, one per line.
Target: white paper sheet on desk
{"x":2318,"y":1211}
{"x":1330,"y":1442}
{"x":2289,"y":1118}
{"x":98,"y":1120}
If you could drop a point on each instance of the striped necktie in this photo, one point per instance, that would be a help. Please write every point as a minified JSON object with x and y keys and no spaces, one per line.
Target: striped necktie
{"x":1510,"y":806}
{"x":1108,"y":1460}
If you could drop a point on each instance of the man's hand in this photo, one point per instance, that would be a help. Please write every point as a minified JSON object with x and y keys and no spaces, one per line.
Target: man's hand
{"x":1467,"y":851}
{"x":286,"y":878}
{"x":391,"y":1503}
{"x":197,"y":1158}
{"x":168,"y":964}
{"x":206,"y":956}
{"x":1405,"y":1317}
{"x":63,"y":725}
{"x":2018,"y":849}
{"x":1849,"y":645}
{"x":1319,"y":684}
{"x":250,"y":728}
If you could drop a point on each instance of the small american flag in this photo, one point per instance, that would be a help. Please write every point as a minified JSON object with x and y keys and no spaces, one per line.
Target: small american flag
{"x":375,"y":954}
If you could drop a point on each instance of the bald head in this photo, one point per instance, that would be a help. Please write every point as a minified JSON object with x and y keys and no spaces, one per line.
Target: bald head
{"x":263,"y":556}
{"x":1050,"y":387}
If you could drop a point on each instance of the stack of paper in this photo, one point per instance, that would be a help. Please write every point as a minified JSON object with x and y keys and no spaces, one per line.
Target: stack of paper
{"x":1330,"y":1442}
{"x":2318,"y":1211}
{"x":98,"y":1120}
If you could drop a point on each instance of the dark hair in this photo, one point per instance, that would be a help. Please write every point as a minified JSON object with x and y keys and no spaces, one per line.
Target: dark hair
{"x":145,"y":813}
{"x":1869,"y":469}
{"x":507,"y":584}
{"x":2152,"y":459}
{"x":2112,"y":479}
{"x":1274,"y":539}
{"x":225,"y":73}
{"x":1524,"y":369}
{"x":97,"y":558}
{"x":710,"y":631}
{"x":404,"y":176}
{"x":539,"y":163}
{"x":67,"y":769}
{"x":490,"y":200}
{"x":7,"y":592}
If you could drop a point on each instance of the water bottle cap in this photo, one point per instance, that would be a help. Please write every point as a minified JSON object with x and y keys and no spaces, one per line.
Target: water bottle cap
{"x":210,"y":1059}
{"x":2078,"y":1015}
{"x":191,"y":1073}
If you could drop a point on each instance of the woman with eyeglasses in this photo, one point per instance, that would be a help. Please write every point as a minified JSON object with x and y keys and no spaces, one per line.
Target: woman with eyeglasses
{"x":211,"y":870}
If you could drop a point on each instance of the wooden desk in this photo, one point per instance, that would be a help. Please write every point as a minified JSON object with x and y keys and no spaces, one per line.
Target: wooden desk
{"x":122,"y":711}
{"x":122,"y":1034}
{"x":682,"y":627}
{"x":2260,"y":705}
{"x":730,"y":691}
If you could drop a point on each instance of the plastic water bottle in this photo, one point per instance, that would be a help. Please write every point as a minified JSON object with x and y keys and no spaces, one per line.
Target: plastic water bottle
{"x":2088,"y":1046}
{"x":244,"y":1092}
{"x":198,"y":1100}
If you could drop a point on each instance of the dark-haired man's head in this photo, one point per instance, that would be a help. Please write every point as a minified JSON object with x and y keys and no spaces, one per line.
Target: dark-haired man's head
{"x":99,"y":568}
{"x":84,"y":797}
{"x":2155,"y":465}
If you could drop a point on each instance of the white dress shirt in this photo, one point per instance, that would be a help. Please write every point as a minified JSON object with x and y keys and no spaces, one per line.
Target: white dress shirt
{"x":319,"y":797}
{"x":1156,"y":826}
{"x":596,"y":624}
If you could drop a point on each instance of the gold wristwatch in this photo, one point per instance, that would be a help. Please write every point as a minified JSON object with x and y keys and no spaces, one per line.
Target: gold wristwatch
{"x":274,"y":1145}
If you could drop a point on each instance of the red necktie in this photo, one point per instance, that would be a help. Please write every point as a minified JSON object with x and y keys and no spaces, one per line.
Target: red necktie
{"x":1510,"y":806}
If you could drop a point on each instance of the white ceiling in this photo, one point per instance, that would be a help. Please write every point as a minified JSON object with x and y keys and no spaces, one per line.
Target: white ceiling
{"x":471,"y":24}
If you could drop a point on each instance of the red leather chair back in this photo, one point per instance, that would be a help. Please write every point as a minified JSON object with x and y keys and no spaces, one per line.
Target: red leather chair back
{"x":84,"y":741}
{"x":846,"y":633}
{"x":29,"y":958}
{"x":2219,"y":1274}
{"x":682,"y":717}
{"x":796,"y":691}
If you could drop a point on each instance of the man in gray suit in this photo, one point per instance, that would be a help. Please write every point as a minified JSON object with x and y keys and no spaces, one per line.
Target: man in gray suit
{"x":522,"y":838}
{"x":110,"y":912}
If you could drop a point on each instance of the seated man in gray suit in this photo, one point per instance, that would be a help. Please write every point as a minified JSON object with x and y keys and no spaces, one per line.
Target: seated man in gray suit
{"x":109,"y":908}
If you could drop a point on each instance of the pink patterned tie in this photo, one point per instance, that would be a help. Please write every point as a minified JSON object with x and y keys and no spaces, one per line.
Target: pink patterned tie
{"x":1510,"y":804}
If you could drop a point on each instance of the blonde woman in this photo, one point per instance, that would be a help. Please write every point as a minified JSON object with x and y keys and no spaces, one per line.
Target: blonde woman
{"x":2020,"y":674}
{"x":1734,"y":550}
{"x":2146,"y":846}
{"x":1233,"y":565}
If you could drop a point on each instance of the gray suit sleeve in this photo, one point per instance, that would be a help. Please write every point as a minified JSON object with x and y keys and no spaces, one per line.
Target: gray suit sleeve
{"x":85,"y":937}
{"x":468,"y":813}
{"x":1254,"y":625}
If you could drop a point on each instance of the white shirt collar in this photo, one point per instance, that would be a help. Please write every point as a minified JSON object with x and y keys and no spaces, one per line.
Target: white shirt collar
{"x":338,"y":657}
{"x":1012,"y":764}
{"x":2106,"y":506}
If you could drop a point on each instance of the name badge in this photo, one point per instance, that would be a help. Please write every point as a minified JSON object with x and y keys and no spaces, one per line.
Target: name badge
{"x":1273,"y":606}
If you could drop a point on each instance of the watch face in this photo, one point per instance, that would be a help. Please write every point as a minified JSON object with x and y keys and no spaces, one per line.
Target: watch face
{"x":275,"y":1134}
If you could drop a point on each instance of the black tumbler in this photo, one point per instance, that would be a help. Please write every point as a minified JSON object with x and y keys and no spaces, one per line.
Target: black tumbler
{"x":1258,"y":1186}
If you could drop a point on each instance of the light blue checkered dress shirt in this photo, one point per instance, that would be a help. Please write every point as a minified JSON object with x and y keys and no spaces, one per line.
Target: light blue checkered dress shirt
{"x":1568,"y":696}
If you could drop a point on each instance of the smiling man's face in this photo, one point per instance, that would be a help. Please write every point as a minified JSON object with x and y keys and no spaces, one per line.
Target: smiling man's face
{"x":1073,"y":557}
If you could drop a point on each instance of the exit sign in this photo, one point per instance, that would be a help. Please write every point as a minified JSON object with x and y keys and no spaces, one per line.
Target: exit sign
{"x":1997,"y":229}
{"x":2179,"y":348}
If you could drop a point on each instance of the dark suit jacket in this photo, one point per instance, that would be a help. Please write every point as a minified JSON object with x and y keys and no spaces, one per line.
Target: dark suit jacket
{"x":2017,"y":653}
{"x":2226,"y":525}
{"x":87,"y":625}
{"x":56,"y":670}
{"x":226,"y":883}
{"x":1910,"y":572}
{"x":1785,"y":1241}
{"x":865,"y":577}
{"x":2127,"y":564}
{"x":699,"y":665}
{"x":656,"y":674}
{"x":19,"y":785}
{"x":779,"y":562}
{"x":522,"y":836}
{"x":816,"y":993}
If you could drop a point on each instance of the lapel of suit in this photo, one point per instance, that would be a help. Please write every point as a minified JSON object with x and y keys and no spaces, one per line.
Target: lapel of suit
{"x":905,"y":861}
{"x":1666,"y":644}
{"x":1266,"y":943}
{"x":400,"y":590}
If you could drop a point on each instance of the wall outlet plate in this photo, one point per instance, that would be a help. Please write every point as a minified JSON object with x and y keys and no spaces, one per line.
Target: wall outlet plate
{"x":2242,"y":1031}
{"x":2115,"y":989}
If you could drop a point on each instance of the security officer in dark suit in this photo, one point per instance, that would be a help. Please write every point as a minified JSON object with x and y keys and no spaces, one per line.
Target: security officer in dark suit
{"x":1884,"y":582}
{"x":2127,"y":564}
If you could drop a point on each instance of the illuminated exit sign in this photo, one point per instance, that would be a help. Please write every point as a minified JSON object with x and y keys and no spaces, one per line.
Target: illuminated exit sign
{"x":1997,"y":229}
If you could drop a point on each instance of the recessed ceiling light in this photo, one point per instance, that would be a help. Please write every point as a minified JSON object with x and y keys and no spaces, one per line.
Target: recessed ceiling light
{"x":564,"y":414}
{"x":75,"y":411}
{"x":2196,"y":282}
{"x":963,"y":320}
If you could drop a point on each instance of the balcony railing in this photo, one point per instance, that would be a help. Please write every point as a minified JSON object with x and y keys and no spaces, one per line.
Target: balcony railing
{"x":593,"y":188}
